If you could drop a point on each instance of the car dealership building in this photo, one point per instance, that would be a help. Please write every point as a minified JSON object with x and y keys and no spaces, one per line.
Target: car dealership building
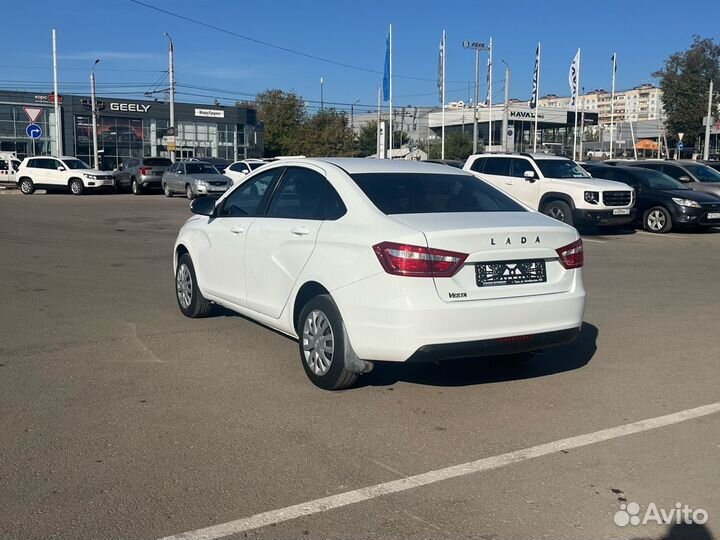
{"x":126,"y":128}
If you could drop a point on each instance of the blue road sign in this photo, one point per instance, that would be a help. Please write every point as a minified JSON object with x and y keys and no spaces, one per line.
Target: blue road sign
{"x":680,"y":145}
{"x":33,"y":131}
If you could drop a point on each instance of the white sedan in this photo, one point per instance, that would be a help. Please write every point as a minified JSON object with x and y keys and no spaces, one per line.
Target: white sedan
{"x":377,"y":260}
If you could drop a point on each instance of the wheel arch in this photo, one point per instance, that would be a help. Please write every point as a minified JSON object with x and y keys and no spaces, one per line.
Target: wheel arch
{"x":556,"y":196}
{"x":74,"y":178}
{"x":308,"y":290}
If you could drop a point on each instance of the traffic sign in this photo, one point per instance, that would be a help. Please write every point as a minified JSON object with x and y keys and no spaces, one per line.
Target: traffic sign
{"x":680,"y":145}
{"x":680,"y":136}
{"x":33,"y":131}
{"x":33,"y":113}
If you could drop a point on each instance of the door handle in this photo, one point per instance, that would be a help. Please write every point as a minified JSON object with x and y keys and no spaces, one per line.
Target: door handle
{"x":237,"y":230}
{"x":300,"y":231}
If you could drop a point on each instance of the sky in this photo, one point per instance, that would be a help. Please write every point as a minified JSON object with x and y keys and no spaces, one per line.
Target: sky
{"x":213,"y":63}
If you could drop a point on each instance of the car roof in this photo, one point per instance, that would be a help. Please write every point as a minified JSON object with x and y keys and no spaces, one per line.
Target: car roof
{"x":536,"y":155}
{"x":370,"y":165}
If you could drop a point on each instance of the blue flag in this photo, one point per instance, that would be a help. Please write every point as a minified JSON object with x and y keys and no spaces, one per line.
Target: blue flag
{"x":386,"y":74}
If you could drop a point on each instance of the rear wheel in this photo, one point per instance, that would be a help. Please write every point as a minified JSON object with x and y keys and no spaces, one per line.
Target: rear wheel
{"x":190,"y":300}
{"x":322,"y":344}
{"x":76,"y":186}
{"x":135,"y":187}
{"x":27,"y":187}
{"x":657,"y":220}
{"x":189,"y":192}
{"x":166,"y":190}
{"x":559,"y":210}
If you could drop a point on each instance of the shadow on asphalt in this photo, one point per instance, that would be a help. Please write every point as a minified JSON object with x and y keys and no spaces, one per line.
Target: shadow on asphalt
{"x":474,"y":371}
{"x":606,"y":231}
{"x":684,"y":531}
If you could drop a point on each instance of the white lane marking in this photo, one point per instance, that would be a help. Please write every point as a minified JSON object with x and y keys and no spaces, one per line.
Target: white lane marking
{"x":593,"y":240}
{"x":395,"y":486}
{"x":661,"y":235}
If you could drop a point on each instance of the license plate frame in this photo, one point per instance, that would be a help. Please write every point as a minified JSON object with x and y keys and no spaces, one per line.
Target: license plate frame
{"x":621,"y":212}
{"x":713,"y":215}
{"x":504,"y":273}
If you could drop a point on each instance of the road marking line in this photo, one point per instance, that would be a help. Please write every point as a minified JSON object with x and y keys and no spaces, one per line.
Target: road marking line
{"x":396,"y":486}
{"x":662,"y":235}
{"x":593,"y":240}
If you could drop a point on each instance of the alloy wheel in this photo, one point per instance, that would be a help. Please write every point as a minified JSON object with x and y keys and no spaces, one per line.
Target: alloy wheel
{"x":184,"y":284}
{"x":318,"y":342}
{"x":26,"y":187}
{"x":557,"y":213}
{"x":656,"y":220}
{"x":75,"y":187}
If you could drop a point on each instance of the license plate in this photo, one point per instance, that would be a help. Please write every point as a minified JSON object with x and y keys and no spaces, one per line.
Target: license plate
{"x":510,"y":273}
{"x":713,"y":215}
{"x":621,"y":212}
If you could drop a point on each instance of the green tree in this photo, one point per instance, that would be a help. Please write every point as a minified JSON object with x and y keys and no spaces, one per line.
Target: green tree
{"x":684,"y":81}
{"x":327,"y":133}
{"x":458,"y":145}
{"x":283,"y":115}
{"x":367,"y":139}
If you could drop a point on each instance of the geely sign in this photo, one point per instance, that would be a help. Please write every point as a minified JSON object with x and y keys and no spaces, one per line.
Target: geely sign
{"x":129,"y":107}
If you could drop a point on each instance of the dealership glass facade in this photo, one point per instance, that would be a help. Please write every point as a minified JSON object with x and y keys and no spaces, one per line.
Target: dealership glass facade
{"x":13,"y":137}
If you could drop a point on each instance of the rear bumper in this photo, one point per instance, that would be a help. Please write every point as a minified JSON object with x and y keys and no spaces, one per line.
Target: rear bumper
{"x":150,"y":181}
{"x":396,"y":319}
{"x":602,"y":217}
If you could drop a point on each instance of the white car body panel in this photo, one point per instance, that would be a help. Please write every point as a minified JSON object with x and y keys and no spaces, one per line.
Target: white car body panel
{"x":387,"y":317}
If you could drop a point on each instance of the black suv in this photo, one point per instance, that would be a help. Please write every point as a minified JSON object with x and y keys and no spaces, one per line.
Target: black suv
{"x":662,"y":201}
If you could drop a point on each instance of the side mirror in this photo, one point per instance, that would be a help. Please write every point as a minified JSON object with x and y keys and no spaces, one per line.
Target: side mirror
{"x":60,"y":168}
{"x":203,"y":206}
{"x":529,"y":176}
{"x":179,"y":171}
{"x":685,"y":178}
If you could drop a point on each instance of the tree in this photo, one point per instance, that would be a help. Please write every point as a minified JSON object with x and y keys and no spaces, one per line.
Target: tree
{"x":328,"y":133}
{"x":684,"y":81}
{"x":458,"y":145}
{"x":367,"y":139}
{"x":283,"y":115}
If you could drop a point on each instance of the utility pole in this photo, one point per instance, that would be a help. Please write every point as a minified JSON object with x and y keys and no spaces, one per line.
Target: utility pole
{"x":321,"y":94}
{"x":96,"y":159}
{"x":58,"y":119}
{"x":477,"y":46}
{"x":171,"y":73}
{"x":506,"y":106}
{"x":708,"y":121}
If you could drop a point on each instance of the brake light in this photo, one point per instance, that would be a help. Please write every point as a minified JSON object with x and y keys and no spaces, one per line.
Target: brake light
{"x":144,"y":171}
{"x":571,"y":256}
{"x":418,"y":261}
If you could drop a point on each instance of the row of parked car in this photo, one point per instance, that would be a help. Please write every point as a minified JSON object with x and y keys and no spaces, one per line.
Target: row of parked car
{"x":655,"y":194}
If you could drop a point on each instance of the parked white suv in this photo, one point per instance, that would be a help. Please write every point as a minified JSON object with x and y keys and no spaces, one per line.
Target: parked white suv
{"x":66,"y":173}
{"x":557,"y":187}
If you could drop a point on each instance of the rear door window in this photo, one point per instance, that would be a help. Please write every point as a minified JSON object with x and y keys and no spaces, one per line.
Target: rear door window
{"x":408,"y":193}
{"x":478,"y":165}
{"x":497,"y":166}
{"x":518,"y":167}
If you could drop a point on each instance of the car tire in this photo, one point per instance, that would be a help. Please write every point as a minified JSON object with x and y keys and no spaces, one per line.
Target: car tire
{"x":135,"y":187}
{"x":76,"y":186}
{"x":657,"y":220}
{"x":320,"y":322}
{"x":559,"y":210}
{"x":189,"y":192}
{"x":190,"y":300}
{"x":166,"y":191}
{"x":27,"y":187}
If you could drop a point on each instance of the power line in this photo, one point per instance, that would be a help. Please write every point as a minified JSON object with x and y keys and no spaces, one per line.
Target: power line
{"x":83,"y":69}
{"x":278,"y":47}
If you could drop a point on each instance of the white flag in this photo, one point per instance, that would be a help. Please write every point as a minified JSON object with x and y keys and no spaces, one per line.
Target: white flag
{"x":573,"y":78}
{"x":441,"y":72}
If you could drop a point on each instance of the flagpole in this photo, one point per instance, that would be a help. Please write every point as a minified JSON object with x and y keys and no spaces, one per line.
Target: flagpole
{"x":490,"y":83}
{"x":612,"y":105}
{"x":537,"y":98}
{"x":379,"y":119}
{"x":582,"y":124}
{"x":442,"y":143}
{"x":577,"y":85}
{"x":391,"y":95}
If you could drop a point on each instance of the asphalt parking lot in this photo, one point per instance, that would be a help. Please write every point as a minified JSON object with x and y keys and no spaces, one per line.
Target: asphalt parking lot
{"x":122,"y":419}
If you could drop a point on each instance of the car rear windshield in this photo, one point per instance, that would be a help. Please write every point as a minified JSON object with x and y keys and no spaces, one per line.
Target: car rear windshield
{"x":157,"y":162}
{"x":560,"y":168}
{"x":200,"y":168}
{"x":410,"y":193}
{"x":254,"y":166}
{"x":704,"y":173}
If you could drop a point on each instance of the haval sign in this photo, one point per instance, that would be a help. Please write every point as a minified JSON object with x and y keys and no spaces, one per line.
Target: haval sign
{"x":129,"y":107}
{"x":522,"y":115}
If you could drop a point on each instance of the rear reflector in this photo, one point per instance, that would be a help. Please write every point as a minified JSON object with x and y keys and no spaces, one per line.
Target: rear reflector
{"x":516,"y":339}
{"x":571,"y":256}
{"x":418,"y":261}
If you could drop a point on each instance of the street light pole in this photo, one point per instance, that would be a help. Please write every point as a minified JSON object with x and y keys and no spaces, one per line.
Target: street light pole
{"x":171,"y":74}
{"x":708,"y":121}
{"x":96,"y":159}
{"x":506,"y":106}
{"x":477,"y":46}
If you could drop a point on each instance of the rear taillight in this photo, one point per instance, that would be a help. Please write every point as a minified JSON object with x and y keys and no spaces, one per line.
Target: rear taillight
{"x":144,"y":171}
{"x":418,"y":261}
{"x":571,"y":256}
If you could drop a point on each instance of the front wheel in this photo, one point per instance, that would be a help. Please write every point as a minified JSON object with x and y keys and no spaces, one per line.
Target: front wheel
{"x":27,"y":187}
{"x":322,"y":344}
{"x":558,"y":210}
{"x":189,"y":298}
{"x":77,"y":187}
{"x":166,"y":190}
{"x":135,"y":187}
{"x":657,"y":220}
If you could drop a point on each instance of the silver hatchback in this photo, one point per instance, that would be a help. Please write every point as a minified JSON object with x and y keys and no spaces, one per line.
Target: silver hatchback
{"x":194,"y":178}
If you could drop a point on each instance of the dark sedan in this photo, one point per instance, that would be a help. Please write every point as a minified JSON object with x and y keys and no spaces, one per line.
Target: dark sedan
{"x":694,"y":174}
{"x":662,"y":201}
